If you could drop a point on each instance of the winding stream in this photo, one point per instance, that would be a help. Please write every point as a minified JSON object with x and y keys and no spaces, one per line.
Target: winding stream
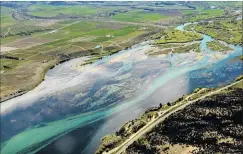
{"x":76,"y":106}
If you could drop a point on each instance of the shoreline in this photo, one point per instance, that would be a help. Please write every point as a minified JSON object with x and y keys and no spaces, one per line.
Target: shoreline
{"x":138,"y":39}
{"x":59,"y":60}
{"x":116,"y":142}
{"x":42,"y":78}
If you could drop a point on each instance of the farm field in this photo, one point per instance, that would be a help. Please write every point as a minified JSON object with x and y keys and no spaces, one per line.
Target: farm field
{"x":48,"y":33}
{"x":77,"y":40}
{"x":42,"y":10}
{"x":203,"y":14}
{"x":44,"y":34}
{"x":139,"y":16}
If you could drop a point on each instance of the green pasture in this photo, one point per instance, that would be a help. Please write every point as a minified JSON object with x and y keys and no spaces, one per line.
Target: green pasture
{"x":205,"y":14}
{"x":138,"y":16}
{"x":43,"y":10}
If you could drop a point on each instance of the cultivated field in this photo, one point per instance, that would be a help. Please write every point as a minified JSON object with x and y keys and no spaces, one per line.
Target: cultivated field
{"x":35,"y":36}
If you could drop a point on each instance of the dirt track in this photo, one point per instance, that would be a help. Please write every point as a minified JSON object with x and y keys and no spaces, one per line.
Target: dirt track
{"x":160,"y":119}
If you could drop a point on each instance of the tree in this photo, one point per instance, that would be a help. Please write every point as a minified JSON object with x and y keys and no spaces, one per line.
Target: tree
{"x":168,"y":104}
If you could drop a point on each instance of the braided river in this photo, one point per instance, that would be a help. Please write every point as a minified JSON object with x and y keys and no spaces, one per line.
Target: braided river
{"x":75,"y":106}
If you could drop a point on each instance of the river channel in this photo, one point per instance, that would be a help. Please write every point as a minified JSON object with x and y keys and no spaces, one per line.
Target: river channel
{"x":77,"y":105}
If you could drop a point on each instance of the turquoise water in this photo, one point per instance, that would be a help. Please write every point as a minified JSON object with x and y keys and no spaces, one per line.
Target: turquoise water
{"x":97,"y":99}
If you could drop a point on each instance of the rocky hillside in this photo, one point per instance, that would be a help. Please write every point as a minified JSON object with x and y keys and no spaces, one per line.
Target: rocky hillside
{"x":211,"y":125}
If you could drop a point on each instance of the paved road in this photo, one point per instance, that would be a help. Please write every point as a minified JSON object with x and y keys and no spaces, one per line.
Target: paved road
{"x":160,"y":119}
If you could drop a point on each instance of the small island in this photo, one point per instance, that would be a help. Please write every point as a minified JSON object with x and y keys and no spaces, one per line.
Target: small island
{"x":217,"y":46}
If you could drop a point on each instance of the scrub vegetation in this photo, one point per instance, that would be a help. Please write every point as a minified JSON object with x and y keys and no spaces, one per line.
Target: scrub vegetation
{"x":177,"y":36}
{"x":186,"y":130}
{"x":217,"y":46}
{"x":175,"y":48}
{"x":228,"y":30}
{"x":114,"y":140}
{"x":203,"y":127}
